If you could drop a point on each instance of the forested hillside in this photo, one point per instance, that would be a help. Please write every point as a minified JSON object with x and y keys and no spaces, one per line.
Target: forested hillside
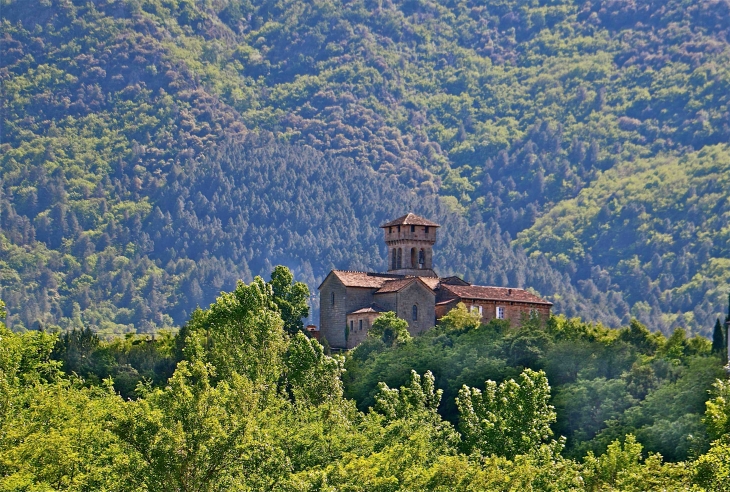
{"x":154,"y":151}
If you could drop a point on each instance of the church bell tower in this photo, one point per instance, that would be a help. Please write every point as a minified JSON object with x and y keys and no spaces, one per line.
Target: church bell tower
{"x":410,"y":241}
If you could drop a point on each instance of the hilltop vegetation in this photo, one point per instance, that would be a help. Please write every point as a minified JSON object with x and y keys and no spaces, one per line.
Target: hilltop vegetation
{"x":249,"y":406}
{"x":606,"y":383}
{"x":114,"y":113}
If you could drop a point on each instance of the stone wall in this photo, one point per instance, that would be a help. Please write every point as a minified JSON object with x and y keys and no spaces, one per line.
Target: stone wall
{"x":360,"y":325}
{"x":513,"y":311}
{"x":333,"y":317}
{"x":402,"y":303}
{"x":421,"y":296}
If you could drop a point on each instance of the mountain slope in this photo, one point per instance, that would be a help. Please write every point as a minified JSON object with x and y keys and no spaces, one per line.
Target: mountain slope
{"x":502,"y":111}
{"x":628,"y":226}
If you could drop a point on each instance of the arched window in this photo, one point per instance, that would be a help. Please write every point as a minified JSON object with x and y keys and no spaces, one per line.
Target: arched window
{"x":415,"y":312}
{"x":395,"y":259}
{"x":333,"y":298}
{"x":421,"y":258}
{"x":400,"y":258}
{"x":413,"y":258}
{"x":360,"y":325}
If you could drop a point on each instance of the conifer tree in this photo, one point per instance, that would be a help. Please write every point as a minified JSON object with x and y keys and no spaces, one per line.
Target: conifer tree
{"x":718,"y":338}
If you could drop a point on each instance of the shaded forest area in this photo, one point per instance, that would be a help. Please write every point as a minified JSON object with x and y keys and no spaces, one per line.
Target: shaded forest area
{"x":503,"y":116}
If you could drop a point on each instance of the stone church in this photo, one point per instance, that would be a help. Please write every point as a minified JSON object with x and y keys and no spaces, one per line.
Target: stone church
{"x":351,"y":301}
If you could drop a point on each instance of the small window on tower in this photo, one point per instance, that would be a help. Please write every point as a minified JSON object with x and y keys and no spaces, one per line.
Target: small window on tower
{"x":413,"y":228}
{"x":333,"y":298}
{"x":390,"y":230}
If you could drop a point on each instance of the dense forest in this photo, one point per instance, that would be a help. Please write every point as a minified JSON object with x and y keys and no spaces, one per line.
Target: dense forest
{"x":240,"y":399}
{"x":153,"y":152}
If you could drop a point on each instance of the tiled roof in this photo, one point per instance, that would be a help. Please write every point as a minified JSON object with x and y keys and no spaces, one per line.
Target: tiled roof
{"x":432,"y":282}
{"x":454,"y":280}
{"x":410,"y":219}
{"x":395,"y":285}
{"x":373,"y":308}
{"x":494,"y":293}
{"x":364,"y":279}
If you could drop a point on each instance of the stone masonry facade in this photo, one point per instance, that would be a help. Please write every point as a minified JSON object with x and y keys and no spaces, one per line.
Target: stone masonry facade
{"x":351,"y":301}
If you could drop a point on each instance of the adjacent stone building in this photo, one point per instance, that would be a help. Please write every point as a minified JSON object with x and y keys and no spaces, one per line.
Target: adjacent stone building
{"x":351,"y":301}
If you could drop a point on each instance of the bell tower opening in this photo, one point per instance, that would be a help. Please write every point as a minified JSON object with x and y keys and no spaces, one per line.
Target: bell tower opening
{"x":410,"y":246}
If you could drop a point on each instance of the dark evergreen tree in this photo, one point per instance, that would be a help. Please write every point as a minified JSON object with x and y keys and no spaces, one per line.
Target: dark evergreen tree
{"x":718,"y":338}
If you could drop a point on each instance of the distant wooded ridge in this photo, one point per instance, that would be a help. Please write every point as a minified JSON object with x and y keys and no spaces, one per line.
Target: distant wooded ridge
{"x":153,"y":152}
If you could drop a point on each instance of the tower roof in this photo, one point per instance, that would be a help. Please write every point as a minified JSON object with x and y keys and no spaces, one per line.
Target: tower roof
{"x":410,"y":219}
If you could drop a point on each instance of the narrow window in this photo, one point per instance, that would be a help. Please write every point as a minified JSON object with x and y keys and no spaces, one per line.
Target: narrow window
{"x":400,"y":258}
{"x":421,"y":258}
{"x":415,"y":312}
{"x":333,"y":298}
{"x":395,"y":259}
{"x":352,"y":323}
{"x":413,"y":228}
{"x":398,"y":228}
{"x":426,"y":229}
{"x":480,"y":310}
{"x":360,"y":325}
{"x":413,"y":258}
{"x":390,"y":230}
{"x":500,"y":312}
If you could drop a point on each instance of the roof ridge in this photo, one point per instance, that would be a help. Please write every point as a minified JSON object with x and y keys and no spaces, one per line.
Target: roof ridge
{"x":486,"y":286}
{"x":367,"y":273}
{"x":410,"y":219}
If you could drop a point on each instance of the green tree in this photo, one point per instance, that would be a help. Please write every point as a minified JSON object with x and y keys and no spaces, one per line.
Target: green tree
{"x":51,"y":428}
{"x":390,"y":329}
{"x":508,"y":419}
{"x":240,"y":333}
{"x":717,"y":415}
{"x":640,"y":337}
{"x":718,"y":339}
{"x":712,"y":469}
{"x":461,"y":319}
{"x":193,"y":435}
{"x":291,"y":298}
{"x":312,"y":376}
{"x":419,"y":396}
{"x":622,"y":468}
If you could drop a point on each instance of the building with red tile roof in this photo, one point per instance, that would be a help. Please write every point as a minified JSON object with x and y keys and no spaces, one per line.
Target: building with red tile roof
{"x":351,"y":300}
